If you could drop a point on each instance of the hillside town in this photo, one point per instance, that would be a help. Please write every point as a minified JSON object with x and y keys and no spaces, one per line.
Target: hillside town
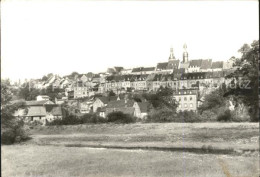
{"x":191,"y":80}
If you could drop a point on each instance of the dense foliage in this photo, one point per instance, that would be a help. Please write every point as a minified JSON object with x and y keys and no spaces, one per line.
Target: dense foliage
{"x":120,"y":117}
{"x":245,"y":88}
{"x":12,"y":129}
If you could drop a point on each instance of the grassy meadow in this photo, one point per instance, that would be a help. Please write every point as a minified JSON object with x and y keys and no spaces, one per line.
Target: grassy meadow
{"x":66,"y":150}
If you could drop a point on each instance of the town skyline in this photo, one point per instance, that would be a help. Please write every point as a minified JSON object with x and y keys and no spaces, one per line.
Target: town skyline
{"x":85,"y":41}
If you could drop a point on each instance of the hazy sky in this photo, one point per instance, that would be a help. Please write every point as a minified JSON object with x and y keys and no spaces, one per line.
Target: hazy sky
{"x":40,"y":37}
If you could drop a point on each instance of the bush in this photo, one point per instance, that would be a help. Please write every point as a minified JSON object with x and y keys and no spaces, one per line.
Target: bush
{"x":120,"y":117}
{"x":188,"y":116}
{"x":208,"y":116}
{"x":12,"y":134}
{"x":161,"y":115}
{"x":225,"y":116}
{"x":75,"y":120}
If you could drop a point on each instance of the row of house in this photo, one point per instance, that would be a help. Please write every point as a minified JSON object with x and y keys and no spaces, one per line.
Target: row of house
{"x":42,"y":110}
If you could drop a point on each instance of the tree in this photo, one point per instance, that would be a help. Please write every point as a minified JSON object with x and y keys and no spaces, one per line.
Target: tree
{"x":214,"y":100}
{"x":111,"y":93}
{"x":245,"y":86}
{"x":11,"y":128}
{"x":28,"y":93}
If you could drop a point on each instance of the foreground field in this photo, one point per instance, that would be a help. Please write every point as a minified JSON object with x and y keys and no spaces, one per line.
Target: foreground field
{"x":33,"y":160}
{"x":155,"y":149}
{"x":236,"y":136}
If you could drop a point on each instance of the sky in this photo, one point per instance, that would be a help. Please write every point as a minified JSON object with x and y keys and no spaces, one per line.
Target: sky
{"x":41,"y":37}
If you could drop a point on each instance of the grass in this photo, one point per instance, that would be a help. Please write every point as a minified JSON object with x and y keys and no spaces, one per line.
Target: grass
{"x":62,"y":150}
{"x":218,"y":135}
{"x":31,"y":160}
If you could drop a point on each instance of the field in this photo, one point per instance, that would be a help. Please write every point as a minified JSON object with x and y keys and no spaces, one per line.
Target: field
{"x":142,"y":150}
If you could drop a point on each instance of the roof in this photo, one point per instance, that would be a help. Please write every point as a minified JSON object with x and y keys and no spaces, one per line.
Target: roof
{"x":173,"y":64}
{"x":149,"y":69}
{"x":105,"y":100}
{"x":36,"y":111}
{"x":184,"y":65}
{"x":162,"y":66}
{"x":54,"y":110}
{"x":139,"y":69}
{"x":143,"y":106}
{"x":38,"y":103}
{"x":120,"y":103}
{"x":125,"y":110}
{"x":206,"y":64}
{"x":195,"y":63}
{"x":217,"y":64}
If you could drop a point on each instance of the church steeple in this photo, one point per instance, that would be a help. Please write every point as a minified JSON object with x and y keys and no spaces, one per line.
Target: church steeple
{"x":185,"y":54}
{"x":171,"y":57}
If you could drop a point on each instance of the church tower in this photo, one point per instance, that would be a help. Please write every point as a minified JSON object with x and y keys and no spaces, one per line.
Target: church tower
{"x":185,"y":54}
{"x":171,"y":57}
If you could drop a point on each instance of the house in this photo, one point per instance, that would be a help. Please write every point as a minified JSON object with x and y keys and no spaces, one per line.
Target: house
{"x":40,"y":112}
{"x":125,"y":71}
{"x":206,"y":65}
{"x":85,"y":106}
{"x":141,"y":109}
{"x":187,"y":99}
{"x":42,"y":97}
{"x":101,"y":102}
{"x":125,"y":106}
{"x":148,"y":70}
{"x":195,"y":66}
{"x":217,"y":66}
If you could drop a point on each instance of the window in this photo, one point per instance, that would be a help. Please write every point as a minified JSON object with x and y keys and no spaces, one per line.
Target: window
{"x":190,"y":98}
{"x":185,"y":105}
{"x":179,"y":98}
{"x":185,"y":98}
{"x":191,"y":105}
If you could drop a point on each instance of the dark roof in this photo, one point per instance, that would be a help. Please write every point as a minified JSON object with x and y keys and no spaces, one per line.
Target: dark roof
{"x":125,"y":110}
{"x":105,"y":100}
{"x":162,"y":66}
{"x":149,"y":69}
{"x":143,"y":106}
{"x":120,"y":104}
{"x":173,"y":64}
{"x":217,"y":64}
{"x":206,"y":64}
{"x":139,"y":69}
{"x":118,"y":68}
{"x":37,"y":103}
{"x":157,"y":77}
{"x":195,"y":63}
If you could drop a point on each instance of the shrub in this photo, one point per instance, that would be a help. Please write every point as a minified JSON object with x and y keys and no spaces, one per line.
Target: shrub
{"x":225,"y":116}
{"x":161,"y":115}
{"x":208,"y":116}
{"x":120,"y":117}
{"x":189,"y":116}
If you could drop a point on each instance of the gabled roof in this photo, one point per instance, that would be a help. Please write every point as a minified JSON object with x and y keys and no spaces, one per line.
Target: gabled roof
{"x":195,"y":63}
{"x":139,"y":69}
{"x":149,"y":69}
{"x":162,"y":66}
{"x":206,"y":64}
{"x":217,"y":64}
{"x":173,"y":64}
{"x":118,"y":68}
{"x":36,"y":111}
{"x":120,"y":104}
{"x":38,"y":103}
{"x":157,"y":77}
{"x":105,"y":100}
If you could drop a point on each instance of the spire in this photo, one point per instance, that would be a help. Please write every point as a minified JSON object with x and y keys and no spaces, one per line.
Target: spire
{"x":171,"y":57}
{"x":185,"y":53}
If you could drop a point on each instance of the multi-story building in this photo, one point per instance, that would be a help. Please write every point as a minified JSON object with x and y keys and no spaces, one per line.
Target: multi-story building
{"x":187,"y":99}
